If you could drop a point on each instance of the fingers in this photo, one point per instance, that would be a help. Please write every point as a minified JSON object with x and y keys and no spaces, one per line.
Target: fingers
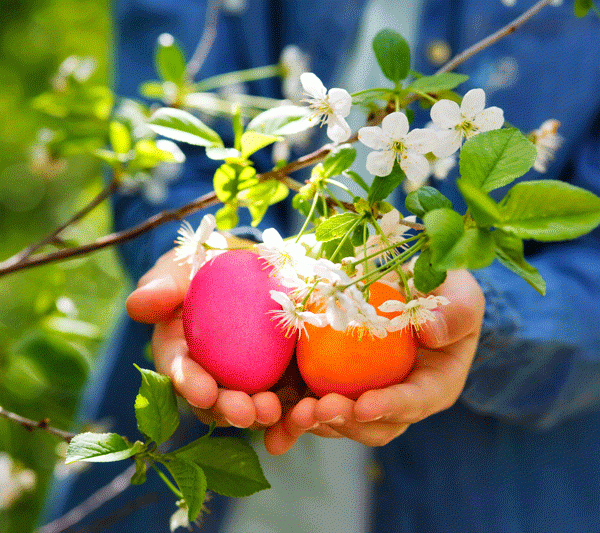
{"x":171,"y":358}
{"x":160,"y":291}
{"x":462,"y":316}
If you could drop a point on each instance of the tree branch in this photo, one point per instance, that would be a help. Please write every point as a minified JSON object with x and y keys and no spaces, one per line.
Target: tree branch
{"x":206,"y":40}
{"x":280,"y":174}
{"x":495,"y":37}
{"x":32,"y":424}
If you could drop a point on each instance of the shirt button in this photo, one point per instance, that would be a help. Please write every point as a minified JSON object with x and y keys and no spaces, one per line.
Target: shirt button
{"x":438,"y":52}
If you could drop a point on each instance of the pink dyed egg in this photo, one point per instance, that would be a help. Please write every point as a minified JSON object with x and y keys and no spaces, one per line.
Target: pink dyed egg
{"x":228,"y":325}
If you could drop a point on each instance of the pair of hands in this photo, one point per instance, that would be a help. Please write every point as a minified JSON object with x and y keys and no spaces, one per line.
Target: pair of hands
{"x":448,"y":346}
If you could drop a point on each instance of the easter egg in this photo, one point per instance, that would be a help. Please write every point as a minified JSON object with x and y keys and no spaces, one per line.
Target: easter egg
{"x":228,"y":322}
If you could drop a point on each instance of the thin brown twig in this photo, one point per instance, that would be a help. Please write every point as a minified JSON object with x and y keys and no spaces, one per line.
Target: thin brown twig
{"x":279,"y":174}
{"x":32,"y":424}
{"x":26,"y":252}
{"x":495,"y":37}
{"x":209,"y":34}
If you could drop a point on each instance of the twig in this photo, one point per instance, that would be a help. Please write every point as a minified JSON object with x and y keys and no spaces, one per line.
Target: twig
{"x":495,"y":37}
{"x":32,"y":424}
{"x":96,"y":500}
{"x":206,"y":40}
{"x":279,"y":174}
{"x":26,"y":252}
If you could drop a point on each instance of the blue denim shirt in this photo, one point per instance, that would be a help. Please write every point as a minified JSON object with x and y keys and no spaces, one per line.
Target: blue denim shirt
{"x":520,"y":450}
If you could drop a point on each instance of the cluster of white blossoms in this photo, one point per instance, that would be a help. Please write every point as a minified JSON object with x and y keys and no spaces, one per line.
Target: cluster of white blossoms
{"x":334,"y":297}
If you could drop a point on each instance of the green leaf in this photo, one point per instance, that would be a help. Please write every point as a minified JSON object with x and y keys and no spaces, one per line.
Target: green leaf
{"x":438,"y":83}
{"x":259,"y":197}
{"x":510,"y":252}
{"x":483,"y":208}
{"x":336,"y":226}
{"x":549,"y":210}
{"x":338,"y":160}
{"x":139,"y":476}
{"x":473,"y":250}
{"x":192,"y":483}
{"x":370,"y":95}
{"x":148,"y":155}
{"x":120,"y":139}
{"x":100,"y":448}
{"x":426,"y":199}
{"x":169,"y":60}
{"x":153,"y":90}
{"x":582,"y":7}
{"x":444,"y":229}
{"x":183,"y":126}
{"x":281,"y":120}
{"x":356,"y":178}
{"x":495,"y":158}
{"x":252,"y":141}
{"x":230,"y":179}
{"x":426,"y":277}
{"x":382,"y":186}
{"x":231,"y":466}
{"x":156,"y":406}
{"x":392,"y":53}
{"x":227,"y":217}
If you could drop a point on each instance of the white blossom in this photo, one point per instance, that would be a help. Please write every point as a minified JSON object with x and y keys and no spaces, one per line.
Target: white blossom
{"x":13,"y":481}
{"x":414,"y":313}
{"x":292,"y":316}
{"x":456,"y":123}
{"x":547,"y":141}
{"x":192,"y":245}
{"x":392,"y":233}
{"x":288,"y":258}
{"x":366,"y":320}
{"x":392,"y":141}
{"x":330,"y":107}
{"x":294,"y":62}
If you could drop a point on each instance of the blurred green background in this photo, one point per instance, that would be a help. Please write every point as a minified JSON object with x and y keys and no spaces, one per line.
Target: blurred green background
{"x":54,"y":318}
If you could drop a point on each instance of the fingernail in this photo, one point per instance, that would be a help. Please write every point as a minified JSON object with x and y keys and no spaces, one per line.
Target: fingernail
{"x":234,"y":425}
{"x":336,"y":421}
{"x":439,"y":328}
{"x":263,"y":422}
{"x":374,"y":419}
{"x":313,"y":427}
{"x":156,"y":283}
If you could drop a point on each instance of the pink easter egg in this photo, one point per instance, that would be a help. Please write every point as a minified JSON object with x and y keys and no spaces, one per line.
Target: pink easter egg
{"x":228,"y":325}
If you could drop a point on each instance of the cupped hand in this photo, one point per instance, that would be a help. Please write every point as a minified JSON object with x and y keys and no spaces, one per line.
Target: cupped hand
{"x":447,"y":349}
{"x":157,"y":300}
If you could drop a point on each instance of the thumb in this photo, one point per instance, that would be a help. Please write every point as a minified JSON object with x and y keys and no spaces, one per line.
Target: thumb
{"x":160,"y":291}
{"x":461,"y":317}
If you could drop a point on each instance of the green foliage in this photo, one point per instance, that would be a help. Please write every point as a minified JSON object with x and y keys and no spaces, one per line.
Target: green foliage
{"x":156,"y":407}
{"x":495,"y":158}
{"x":425,"y":199}
{"x":281,"y":120}
{"x":338,"y":160}
{"x":437,"y":84}
{"x":393,"y":54}
{"x":582,"y":7}
{"x":549,"y":210}
{"x":336,"y":226}
{"x":182,"y":126}
{"x":426,"y":276}
{"x":169,"y":60}
{"x":224,"y":465}
{"x":382,"y":186}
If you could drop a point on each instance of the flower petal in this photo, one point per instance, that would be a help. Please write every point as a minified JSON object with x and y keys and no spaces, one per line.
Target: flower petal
{"x":489,"y":119}
{"x":313,"y":86}
{"x":380,"y":163}
{"x":395,"y":125}
{"x":422,"y":140}
{"x":445,"y":114}
{"x":337,"y":129}
{"x":449,"y":142}
{"x":207,"y":225}
{"x":340,"y":101}
{"x":373,"y":137}
{"x":415,"y":166}
{"x":472,"y":103}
